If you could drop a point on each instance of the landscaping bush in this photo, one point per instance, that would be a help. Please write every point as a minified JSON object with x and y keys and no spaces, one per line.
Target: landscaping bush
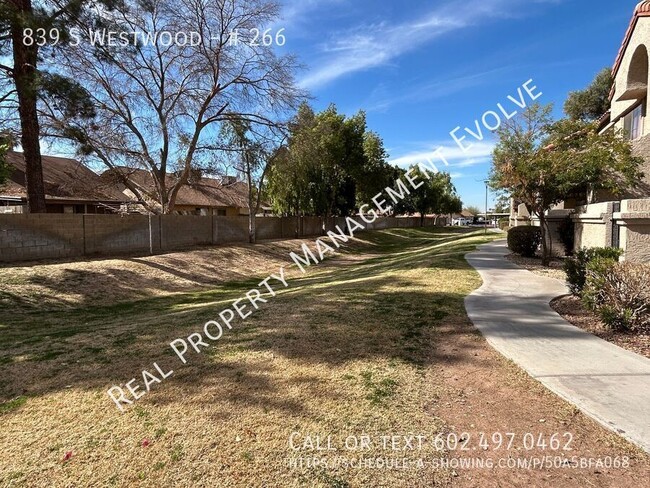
{"x":524,"y":240}
{"x":566,"y":230}
{"x":620,"y":294}
{"x":595,"y":271}
{"x":504,"y":223}
{"x":576,"y":267}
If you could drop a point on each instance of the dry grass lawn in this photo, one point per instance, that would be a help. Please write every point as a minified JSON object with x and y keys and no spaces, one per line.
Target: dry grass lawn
{"x":373,"y":342}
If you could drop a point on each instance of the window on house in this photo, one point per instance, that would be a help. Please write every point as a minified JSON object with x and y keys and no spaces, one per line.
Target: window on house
{"x":633,"y":122}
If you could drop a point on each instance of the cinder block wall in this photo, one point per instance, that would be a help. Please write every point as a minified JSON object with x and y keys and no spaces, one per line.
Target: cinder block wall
{"x":110,"y":234}
{"x":179,"y":231}
{"x":268,"y":227}
{"x":230,"y":229}
{"x":25,"y":237}
{"x":593,"y":225}
{"x":40,"y":236}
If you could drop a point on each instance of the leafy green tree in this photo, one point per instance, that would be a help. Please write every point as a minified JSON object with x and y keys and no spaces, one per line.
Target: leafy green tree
{"x":375,"y":174}
{"x":451,"y":204}
{"x":502,"y":204}
{"x":5,"y":145}
{"x":435,"y":195}
{"x":288,"y":180}
{"x":328,"y":164}
{"x":539,"y":162}
{"x":591,"y":103}
{"x":474,"y":210}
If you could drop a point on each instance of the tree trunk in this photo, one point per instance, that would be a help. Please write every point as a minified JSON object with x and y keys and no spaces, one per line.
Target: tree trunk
{"x":421,"y":219}
{"x":544,"y":231}
{"x":25,"y":78}
{"x":252,"y":206}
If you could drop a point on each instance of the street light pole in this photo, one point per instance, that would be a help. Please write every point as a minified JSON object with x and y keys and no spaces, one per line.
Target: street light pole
{"x":486,"y":205}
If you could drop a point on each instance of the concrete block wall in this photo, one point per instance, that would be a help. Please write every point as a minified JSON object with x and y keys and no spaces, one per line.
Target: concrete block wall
{"x":268,"y":227}
{"x":593,"y":225}
{"x":110,"y":234}
{"x":230,"y":229}
{"x":290,"y":227}
{"x":40,"y":236}
{"x":179,"y":231}
{"x":312,"y":226}
{"x":25,"y":237}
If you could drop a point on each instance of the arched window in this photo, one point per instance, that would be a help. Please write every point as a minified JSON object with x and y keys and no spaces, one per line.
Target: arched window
{"x":637,"y":77}
{"x":638,"y":73}
{"x":637,"y":89}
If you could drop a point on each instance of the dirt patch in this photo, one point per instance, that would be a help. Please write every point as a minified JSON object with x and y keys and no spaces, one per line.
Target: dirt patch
{"x":376,"y":344}
{"x":534,"y":265}
{"x":573,"y":311}
{"x":114,"y":280}
{"x":482,"y":392}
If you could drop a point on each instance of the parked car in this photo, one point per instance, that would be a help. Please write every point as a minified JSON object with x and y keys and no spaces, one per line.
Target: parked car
{"x":460,"y":221}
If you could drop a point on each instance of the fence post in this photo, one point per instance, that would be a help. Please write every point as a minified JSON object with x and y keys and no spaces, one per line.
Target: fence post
{"x":160,"y":231}
{"x":150,"y":236}
{"x":83,"y":232}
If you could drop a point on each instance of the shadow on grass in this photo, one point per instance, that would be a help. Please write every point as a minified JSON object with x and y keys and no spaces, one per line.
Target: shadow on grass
{"x":390,"y":306}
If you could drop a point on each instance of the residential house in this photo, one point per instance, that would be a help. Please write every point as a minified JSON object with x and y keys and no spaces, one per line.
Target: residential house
{"x":620,"y":220}
{"x":201,"y":196}
{"x":629,"y":96}
{"x":70,"y":187}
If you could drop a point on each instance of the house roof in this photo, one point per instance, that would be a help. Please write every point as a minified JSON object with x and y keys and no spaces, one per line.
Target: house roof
{"x":205,"y":192}
{"x":641,"y":10}
{"x":64,"y":179}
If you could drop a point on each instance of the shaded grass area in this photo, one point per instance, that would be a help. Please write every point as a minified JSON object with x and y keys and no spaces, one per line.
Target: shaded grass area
{"x":345,"y":348}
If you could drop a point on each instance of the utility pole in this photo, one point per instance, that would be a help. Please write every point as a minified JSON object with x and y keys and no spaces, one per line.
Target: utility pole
{"x":486,"y":205}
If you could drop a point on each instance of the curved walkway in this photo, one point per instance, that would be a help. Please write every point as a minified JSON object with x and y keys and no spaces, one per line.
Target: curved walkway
{"x":511,"y":309}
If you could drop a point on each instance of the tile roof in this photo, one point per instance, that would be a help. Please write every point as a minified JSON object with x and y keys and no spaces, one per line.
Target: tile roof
{"x":64,"y":179}
{"x":641,"y":10}
{"x":206,"y":192}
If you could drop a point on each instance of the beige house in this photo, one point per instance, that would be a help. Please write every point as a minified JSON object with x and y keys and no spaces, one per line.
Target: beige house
{"x":70,"y":188}
{"x":201,"y":196}
{"x":622,"y":221}
{"x":629,"y":96}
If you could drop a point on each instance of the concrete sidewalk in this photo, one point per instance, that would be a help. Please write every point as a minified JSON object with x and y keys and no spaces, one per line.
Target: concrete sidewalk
{"x":512,"y":311}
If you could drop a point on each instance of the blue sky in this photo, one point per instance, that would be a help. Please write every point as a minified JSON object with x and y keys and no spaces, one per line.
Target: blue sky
{"x":421,"y":68}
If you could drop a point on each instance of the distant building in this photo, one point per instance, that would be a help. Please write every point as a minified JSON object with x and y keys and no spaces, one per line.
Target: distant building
{"x":201,"y":196}
{"x":70,"y":187}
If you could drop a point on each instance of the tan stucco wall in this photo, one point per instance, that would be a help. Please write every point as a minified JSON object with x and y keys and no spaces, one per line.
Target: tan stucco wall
{"x":637,"y":242}
{"x":641,"y":146}
{"x":593,"y":226}
{"x":634,"y":219}
{"x":640,"y":36}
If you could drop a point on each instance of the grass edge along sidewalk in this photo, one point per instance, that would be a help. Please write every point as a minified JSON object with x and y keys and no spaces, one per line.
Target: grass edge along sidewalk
{"x":356,"y":345}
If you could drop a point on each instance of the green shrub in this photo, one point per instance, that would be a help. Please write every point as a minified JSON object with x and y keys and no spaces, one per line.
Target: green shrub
{"x":576,"y":267}
{"x":622,"y":296}
{"x":504,"y":223}
{"x":524,"y":240}
{"x":595,"y":272}
{"x":566,"y":230}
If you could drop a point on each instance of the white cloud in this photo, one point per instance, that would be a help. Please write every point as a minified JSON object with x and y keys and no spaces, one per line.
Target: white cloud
{"x":297,"y":12}
{"x":369,"y":46}
{"x":380,"y":100}
{"x":479,"y":153}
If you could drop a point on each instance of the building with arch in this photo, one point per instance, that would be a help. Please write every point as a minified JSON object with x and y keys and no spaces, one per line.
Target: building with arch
{"x":629,"y":96}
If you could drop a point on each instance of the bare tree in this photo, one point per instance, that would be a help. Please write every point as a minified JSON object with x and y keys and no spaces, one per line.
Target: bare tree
{"x":251,"y":152}
{"x":159,"y":104}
